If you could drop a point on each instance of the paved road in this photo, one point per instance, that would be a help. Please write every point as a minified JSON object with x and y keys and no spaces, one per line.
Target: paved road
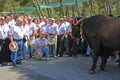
{"x":62,"y":68}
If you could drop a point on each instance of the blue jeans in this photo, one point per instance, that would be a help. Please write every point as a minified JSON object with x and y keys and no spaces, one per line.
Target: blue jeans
{"x":30,"y":49}
{"x":88,"y":50}
{"x":16,"y":56}
{"x":45,"y":50}
{"x":25,"y":49}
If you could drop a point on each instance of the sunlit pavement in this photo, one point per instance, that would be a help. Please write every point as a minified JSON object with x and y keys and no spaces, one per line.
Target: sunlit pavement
{"x":60,"y":68}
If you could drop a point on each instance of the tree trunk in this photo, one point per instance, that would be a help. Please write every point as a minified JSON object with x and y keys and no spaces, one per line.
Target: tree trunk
{"x":36,"y":7}
{"x":118,"y":7}
{"x":48,"y":9}
{"x":67,"y":11}
{"x":90,"y":7}
{"x":105,"y":7}
{"x":46,"y":2}
{"x":73,"y":14}
{"x":61,"y":9}
{"x":108,"y":6}
{"x":78,"y":10}
{"x":39,"y":8}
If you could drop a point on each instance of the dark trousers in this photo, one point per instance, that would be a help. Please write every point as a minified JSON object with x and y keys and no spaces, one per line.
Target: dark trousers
{"x":5,"y":53}
{"x":73,"y":47}
{"x":60,"y":45}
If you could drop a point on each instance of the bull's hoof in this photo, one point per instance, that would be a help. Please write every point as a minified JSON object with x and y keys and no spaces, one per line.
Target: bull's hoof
{"x":102,"y":69}
{"x":91,"y":72}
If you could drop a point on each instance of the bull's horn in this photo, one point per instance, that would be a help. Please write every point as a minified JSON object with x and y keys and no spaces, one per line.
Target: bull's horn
{"x":80,"y":20}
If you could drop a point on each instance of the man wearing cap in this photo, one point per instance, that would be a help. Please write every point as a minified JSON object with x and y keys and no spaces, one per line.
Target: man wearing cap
{"x":41,"y":44}
{"x":16,"y":34}
{"x":4,"y":41}
{"x":51,"y":30}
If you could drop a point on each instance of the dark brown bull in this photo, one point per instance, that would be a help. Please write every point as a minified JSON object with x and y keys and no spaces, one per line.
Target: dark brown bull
{"x":103,"y":35}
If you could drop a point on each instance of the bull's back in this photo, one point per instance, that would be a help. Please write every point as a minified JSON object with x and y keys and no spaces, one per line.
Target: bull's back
{"x":105,"y":29}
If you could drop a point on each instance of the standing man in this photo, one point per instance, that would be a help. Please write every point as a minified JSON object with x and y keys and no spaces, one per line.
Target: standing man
{"x":51,"y":30}
{"x":16,"y":35}
{"x":61,"y":37}
{"x":5,"y":54}
{"x":68,"y":33}
{"x":32,"y":31}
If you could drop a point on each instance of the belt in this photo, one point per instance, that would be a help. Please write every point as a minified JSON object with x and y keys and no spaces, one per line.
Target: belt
{"x":2,"y":39}
{"x":18,"y":39}
{"x":60,"y":34}
{"x":51,"y":34}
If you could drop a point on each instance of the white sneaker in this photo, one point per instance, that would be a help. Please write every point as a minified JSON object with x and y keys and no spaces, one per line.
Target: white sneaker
{"x":47,"y":59}
{"x":9,"y":64}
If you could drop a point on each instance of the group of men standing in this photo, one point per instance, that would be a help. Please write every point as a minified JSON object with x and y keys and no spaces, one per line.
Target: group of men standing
{"x":50,"y":37}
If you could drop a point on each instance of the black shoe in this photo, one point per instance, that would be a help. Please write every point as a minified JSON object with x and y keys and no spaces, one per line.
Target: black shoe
{"x":87,"y":55}
{"x":19,"y":62}
{"x":15,"y":65}
{"x":70,"y":55}
{"x":61,"y":56}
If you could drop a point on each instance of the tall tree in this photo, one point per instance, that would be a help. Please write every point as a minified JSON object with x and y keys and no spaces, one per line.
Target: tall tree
{"x":61,"y":9}
{"x":48,"y":9}
{"x":78,"y":10}
{"x":38,"y":5}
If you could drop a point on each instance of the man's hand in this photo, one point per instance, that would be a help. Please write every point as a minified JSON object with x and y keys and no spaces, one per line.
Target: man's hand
{"x":12,"y":44}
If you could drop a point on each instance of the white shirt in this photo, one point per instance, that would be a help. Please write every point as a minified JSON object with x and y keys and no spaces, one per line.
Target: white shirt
{"x":16,"y":31}
{"x":26,"y":31}
{"x":61,"y":29}
{"x":68,"y":27}
{"x":41,"y":24}
{"x":52,"y":29}
{"x":40,"y":42}
{"x":4,"y":29}
{"x":43,"y":28}
{"x":32,"y":28}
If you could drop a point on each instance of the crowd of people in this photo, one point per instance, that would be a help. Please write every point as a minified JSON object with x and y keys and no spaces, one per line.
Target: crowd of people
{"x":51,"y":37}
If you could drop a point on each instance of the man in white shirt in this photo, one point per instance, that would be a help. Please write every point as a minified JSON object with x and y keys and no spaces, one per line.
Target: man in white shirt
{"x":5,"y":53}
{"x":61,"y":37}
{"x":51,"y":30}
{"x":16,"y":34}
{"x":32,"y":29}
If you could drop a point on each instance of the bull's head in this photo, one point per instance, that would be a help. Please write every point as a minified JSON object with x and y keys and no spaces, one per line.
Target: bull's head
{"x":80,"y":25}
{"x":80,"y":22}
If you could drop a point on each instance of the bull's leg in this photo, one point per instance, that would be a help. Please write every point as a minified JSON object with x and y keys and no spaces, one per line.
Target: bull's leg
{"x":119,"y":58}
{"x":96,"y":47}
{"x":95,"y":58}
{"x":103,"y":63}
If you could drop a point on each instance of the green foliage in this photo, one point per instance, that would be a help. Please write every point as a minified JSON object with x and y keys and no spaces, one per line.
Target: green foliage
{"x":89,"y":7}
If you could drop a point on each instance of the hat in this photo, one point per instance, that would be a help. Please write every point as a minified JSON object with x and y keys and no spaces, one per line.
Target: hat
{"x":38,"y":54}
{"x":13,"y":48}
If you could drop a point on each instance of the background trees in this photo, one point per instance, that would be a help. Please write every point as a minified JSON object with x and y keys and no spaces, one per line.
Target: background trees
{"x":87,"y":8}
